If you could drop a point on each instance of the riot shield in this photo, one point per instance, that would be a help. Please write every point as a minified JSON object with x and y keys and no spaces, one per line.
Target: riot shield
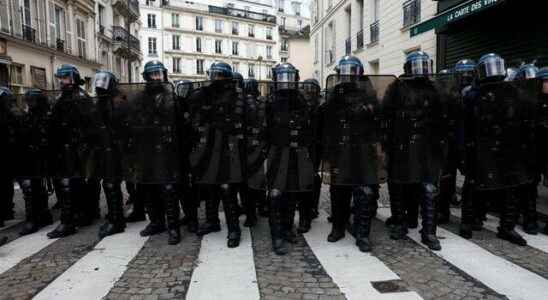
{"x":351,"y":129}
{"x":151,"y":154}
{"x":217,"y":120}
{"x":416,"y":131}
{"x":504,"y":153}
{"x":290,"y":136}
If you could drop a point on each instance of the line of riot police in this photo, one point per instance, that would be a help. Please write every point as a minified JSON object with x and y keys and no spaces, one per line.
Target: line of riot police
{"x":268,"y":144}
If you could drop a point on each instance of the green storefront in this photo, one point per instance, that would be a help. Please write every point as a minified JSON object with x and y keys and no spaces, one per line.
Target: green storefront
{"x":515,"y":29}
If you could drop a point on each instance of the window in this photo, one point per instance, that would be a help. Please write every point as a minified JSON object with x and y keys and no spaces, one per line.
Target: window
{"x":411,"y":12}
{"x":176,"y":65}
{"x":247,"y":9}
{"x":296,"y":8}
{"x":230,"y":5}
{"x":269,"y":33}
{"x":199,"y":66}
{"x":101,"y":16}
{"x":283,"y":22}
{"x":176,"y":42}
{"x":235,"y":50}
{"x":284,"y":59}
{"x":375,"y":10}
{"x":235,"y":28}
{"x":251,"y":31}
{"x":149,"y":2}
{"x":16,"y":72}
{"x":219,"y":26}
{"x":236,"y":66}
{"x":152,"y":46}
{"x":281,"y":5}
{"x":269,"y":72}
{"x":218,"y":46}
{"x":329,"y":4}
{"x":251,"y":71}
{"x":38,"y":77}
{"x":199,"y":23}
{"x":57,"y":28}
{"x":316,"y":49}
{"x":151,"y":20}
{"x":198,"y":44}
{"x":81,"y":37}
{"x":300,"y":24}
{"x":285,"y":45}
{"x":269,"y":52}
{"x":175,"y":20}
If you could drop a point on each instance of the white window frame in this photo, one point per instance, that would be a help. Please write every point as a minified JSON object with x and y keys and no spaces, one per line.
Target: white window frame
{"x":152,"y":45}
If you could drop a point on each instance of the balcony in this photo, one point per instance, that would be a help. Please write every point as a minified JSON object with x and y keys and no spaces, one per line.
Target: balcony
{"x":374,"y":29}
{"x":359,"y":39}
{"x":127,"y":8}
{"x":125,"y":44}
{"x":347,"y":46}
{"x":240,"y":13}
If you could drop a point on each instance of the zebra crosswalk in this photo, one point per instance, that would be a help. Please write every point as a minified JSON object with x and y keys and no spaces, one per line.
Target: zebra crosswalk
{"x":127,"y":266}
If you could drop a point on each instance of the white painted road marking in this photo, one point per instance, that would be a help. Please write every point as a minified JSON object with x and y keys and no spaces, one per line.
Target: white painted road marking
{"x":538,"y":241}
{"x":14,"y":252}
{"x":222,"y":272}
{"x":94,"y":275}
{"x":352,"y":270}
{"x":497,"y":273}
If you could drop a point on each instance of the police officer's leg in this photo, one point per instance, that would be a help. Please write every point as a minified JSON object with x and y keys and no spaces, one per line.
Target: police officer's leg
{"x":210,"y":194}
{"x":428,"y":212}
{"x":150,"y":194}
{"x":189,"y":201}
{"x":316,"y":196}
{"x":305,"y":204}
{"x":230,"y":205}
{"x":31,"y":223}
{"x":65,"y":196}
{"x":276,"y":220}
{"x":508,"y":218}
{"x":115,"y":218}
{"x":41,"y":198}
{"x":363,"y":196}
{"x":6,"y":198}
{"x":340,"y":206}
{"x":447,"y":191}
{"x":529,"y":207}
{"x":250,"y":205}
{"x":263,"y":203}
{"x":93,"y":189}
{"x":289,"y":214}
{"x":468,"y":214}
{"x":397,"y":208}
{"x":168,"y":194}
{"x":412,"y":204}
{"x":137,"y":200}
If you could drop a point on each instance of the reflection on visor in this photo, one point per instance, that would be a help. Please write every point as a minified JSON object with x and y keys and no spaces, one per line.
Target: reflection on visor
{"x":421,"y":67}
{"x":286,"y":77}
{"x":216,"y":75}
{"x":494,"y":67}
{"x":102,"y":81}
{"x":530,"y":73}
{"x":349,"y":69}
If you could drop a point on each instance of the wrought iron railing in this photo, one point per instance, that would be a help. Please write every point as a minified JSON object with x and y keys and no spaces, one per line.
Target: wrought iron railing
{"x":121,"y":35}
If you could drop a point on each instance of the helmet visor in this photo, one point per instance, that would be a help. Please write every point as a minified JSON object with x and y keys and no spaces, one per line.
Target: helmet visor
{"x":217,"y":74}
{"x":286,"y":77}
{"x":421,"y":66}
{"x":156,"y":76}
{"x":492,"y":66}
{"x":530,"y":73}
{"x":102,"y":81}
{"x":349,"y":69}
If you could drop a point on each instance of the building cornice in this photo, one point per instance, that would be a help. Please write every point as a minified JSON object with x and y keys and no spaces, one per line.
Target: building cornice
{"x":219,"y":35}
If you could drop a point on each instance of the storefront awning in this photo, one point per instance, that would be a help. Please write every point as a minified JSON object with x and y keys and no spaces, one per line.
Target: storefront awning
{"x":453,"y":14}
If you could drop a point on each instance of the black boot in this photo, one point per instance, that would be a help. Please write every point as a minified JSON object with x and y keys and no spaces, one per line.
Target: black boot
{"x":468,"y":216}
{"x":115,"y":218}
{"x":316,"y":193}
{"x":340,"y":201}
{"x":412,"y":204}
{"x":289,"y":211}
{"x":65,"y":196}
{"x":508,"y":220}
{"x":230,"y":205}
{"x":305,"y":212}
{"x":212,"y":223}
{"x":31,"y":209}
{"x":154,"y":205}
{"x":397,"y":207}
{"x":428,"y":212}
{"x":171,"y":204}
{"x":276,"y":221}
{"x":529,"y":208}
{"x":249,"y":198}
{"x":363,"y":198}
{"x":189,"y":203}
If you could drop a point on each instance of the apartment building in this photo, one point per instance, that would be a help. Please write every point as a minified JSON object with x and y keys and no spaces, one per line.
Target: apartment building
{"x":377,"y":32}
{"x":188,"y":36}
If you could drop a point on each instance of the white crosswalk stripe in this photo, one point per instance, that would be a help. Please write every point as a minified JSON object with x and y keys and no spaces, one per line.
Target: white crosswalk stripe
{"x":224,"y":273}
{"x":352,"y":270}
{"x":94,"y":275}
{"x":501,"y":275}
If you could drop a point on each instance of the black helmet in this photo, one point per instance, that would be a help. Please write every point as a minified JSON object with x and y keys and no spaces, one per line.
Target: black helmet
{"x":349,"y":65}
{"x":71,"y":72}
{"x":465,"y":71}
{"x":526,"y":71}
{"x":238,"y":79}
{"x":251,"y":86}
{"x":105,"y":82}
{"x":183,"y":88}
{"x":285,"y":76}
{"x":219,"y":71}
{"x":491,"y":66}
{"x":154,"y":67}
{"x":417,"y":63}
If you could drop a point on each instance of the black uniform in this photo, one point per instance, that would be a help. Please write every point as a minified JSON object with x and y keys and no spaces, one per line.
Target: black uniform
{"x":415,"y":147}
{"x":7,"y":134}
{"x":217,"y":155}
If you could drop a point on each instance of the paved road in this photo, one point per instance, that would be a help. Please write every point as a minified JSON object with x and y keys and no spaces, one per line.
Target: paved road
{"x":127,"y":266}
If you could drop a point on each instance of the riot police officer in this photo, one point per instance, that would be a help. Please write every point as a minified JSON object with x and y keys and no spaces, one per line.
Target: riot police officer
{"x":110,"y":144}
{"x":542,"y":129}
{"x":32,"y":115}
{"x":6,"y":173}
{"x":290,"y":160}
{"x":67,"y":129}
{"x":217,"y":112}
{"x":415,"y":146}
{"x":351,"y":134}
{"x":496,"y":130}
